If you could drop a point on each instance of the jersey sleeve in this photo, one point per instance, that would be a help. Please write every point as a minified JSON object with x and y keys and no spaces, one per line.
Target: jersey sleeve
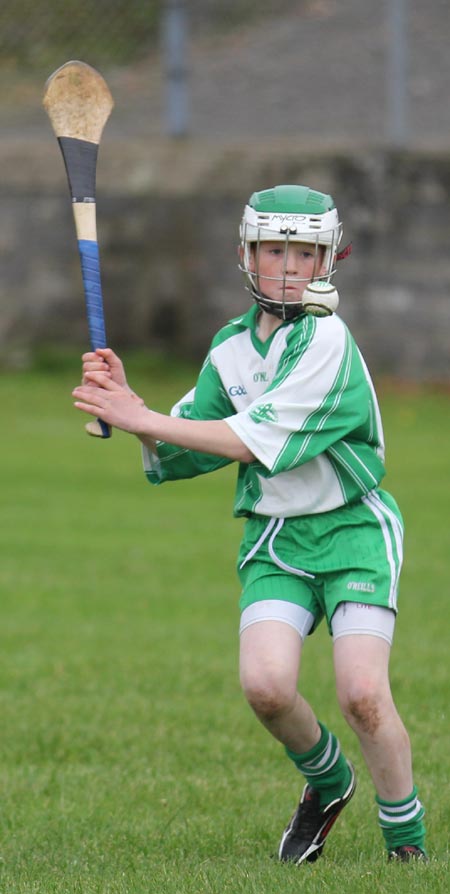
{"x":319,"y":396}
{"x":208,"y":400}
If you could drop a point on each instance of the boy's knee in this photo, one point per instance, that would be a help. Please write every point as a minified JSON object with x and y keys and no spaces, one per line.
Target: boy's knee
{"x":268,"y":695}
{"x":363,"y":705}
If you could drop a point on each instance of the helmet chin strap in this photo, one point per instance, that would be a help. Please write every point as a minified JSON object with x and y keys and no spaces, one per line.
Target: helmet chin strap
{"x":283,"y":311}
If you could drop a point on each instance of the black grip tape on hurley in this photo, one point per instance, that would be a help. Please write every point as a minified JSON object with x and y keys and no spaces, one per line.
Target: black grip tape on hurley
{"x":80,"y":159}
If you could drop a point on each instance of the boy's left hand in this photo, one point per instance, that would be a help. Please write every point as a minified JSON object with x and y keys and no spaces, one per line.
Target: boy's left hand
{"x":114,"y":404}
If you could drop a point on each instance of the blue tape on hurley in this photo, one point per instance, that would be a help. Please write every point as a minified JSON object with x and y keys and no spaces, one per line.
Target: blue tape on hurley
{"x":90,"y":271}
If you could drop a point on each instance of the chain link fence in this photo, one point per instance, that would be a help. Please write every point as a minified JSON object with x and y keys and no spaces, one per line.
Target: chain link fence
{"x":113,"y":32}
{"x":330,"y":68}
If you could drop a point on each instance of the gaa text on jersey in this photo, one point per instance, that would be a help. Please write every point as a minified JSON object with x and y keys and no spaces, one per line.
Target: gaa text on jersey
{"x":237,"y":391}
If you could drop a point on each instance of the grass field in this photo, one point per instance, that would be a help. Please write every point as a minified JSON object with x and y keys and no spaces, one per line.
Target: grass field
{"x":129,"y":760}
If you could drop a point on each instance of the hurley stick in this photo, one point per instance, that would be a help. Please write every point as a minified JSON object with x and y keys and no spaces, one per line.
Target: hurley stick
{"x":78,"y":103}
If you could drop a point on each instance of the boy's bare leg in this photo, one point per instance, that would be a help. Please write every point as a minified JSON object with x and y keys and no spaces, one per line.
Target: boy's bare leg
{"x":363,"y":689}
{"x":270,"y":655}
{"x":270,"y":659}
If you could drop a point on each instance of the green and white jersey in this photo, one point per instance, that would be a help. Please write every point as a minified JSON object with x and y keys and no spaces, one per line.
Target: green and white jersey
{"x":302,"y":402}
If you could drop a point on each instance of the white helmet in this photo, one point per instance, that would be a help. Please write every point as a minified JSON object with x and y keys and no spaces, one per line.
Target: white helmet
{"x":287,"y":214}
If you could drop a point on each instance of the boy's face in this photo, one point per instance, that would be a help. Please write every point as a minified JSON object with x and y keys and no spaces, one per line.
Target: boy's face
{"x":283,"y":275}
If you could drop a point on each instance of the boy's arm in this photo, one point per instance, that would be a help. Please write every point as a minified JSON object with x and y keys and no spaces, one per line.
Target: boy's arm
{"x":121,"y":409}
{"x":204,"y":435}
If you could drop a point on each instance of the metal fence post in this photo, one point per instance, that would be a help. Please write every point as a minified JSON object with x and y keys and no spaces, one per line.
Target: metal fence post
{"x":397,"y":72}
{"x":174,"y":44}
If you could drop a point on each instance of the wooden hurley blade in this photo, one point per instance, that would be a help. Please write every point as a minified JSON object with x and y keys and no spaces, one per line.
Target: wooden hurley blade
{"x":78,"y":102}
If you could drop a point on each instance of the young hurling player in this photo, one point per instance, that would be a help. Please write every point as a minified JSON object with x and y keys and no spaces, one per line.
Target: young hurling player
{"x":289,"y":397}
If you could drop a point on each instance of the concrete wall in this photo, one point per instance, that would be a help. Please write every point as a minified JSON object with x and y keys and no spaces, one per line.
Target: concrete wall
{"x":168,"y":215}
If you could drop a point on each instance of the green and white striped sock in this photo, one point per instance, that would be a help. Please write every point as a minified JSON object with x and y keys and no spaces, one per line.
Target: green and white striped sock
{"x":401,"y":821}
{"x":324,"y":767}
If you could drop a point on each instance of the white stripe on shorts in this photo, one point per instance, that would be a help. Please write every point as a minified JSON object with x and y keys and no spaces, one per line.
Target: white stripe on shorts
{"x":278,"y":610}
{"x":385,"y":515}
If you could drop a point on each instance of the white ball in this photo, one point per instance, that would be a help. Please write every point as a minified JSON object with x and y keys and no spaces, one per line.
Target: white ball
{"x":320,"y":299}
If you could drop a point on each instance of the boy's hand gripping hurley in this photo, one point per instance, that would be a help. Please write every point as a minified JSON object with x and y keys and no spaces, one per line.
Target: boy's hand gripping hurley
{"x":78,"y":103}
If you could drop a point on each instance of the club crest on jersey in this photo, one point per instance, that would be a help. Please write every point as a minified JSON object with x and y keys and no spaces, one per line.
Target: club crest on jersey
{"x":264,"y":413}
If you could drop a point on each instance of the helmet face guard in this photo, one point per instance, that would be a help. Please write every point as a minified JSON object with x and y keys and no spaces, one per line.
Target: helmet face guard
{"x":288,"y":214}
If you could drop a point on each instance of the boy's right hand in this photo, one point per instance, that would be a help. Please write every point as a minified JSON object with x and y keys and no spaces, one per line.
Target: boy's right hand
{"x":106,"y":361}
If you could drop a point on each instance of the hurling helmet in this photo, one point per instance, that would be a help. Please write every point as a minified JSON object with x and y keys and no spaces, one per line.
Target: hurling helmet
{"x":288,"y":214}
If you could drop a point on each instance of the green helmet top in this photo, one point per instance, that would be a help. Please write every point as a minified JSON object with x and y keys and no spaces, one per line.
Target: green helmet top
{"x":291,"y":200}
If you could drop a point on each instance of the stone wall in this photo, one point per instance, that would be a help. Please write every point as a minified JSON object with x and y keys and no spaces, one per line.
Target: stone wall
{"x":168,"y":216}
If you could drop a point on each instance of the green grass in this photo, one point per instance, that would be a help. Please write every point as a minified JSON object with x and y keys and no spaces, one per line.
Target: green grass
{"x":129,"y":761}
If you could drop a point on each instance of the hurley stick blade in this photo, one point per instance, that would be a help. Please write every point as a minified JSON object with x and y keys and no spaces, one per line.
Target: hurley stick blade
{"x":78,"y":102}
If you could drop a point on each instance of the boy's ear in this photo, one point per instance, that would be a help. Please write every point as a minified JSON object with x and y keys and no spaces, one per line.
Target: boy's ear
{"x":241,"y":256}
{"x":251,"y":256}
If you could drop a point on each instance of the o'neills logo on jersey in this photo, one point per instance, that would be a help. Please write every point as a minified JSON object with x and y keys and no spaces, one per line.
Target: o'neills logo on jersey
{"x":264,"y":413}
{"x":361,"y":586}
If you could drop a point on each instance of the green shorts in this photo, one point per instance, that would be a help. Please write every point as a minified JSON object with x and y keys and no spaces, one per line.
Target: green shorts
{"x":351,"y":554}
